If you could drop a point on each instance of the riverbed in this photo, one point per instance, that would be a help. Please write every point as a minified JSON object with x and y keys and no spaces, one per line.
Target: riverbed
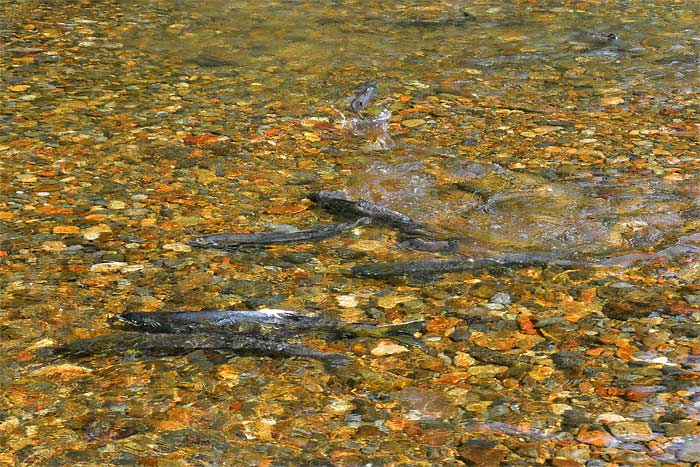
{"x":569,"y":130}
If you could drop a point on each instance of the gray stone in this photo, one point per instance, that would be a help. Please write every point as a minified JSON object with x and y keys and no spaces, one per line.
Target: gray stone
{"x":690,"y":450}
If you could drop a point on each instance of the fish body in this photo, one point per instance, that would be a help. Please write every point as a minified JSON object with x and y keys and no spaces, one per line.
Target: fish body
{"x":417,"y":268}
{"x":364,"y":94}
{"x":338,"y":202}
{"x":158,"y":344}
{"x":234,"y":241}
{"x":266,"y":322}
{"x":433,"y":268}
{"x":204,"y":60}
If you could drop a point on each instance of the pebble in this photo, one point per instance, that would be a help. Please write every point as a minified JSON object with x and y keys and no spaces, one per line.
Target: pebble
{"x":541,"y":372}
{"x":483,"y":455}
{"x":595,"y":437}
{"x":390,"y":301}
{"x":53,"y":246}
{"x":347,"y":301}
{"x":632,"y":431}
{"x":501,"y":298}
{"x":27,"y":178}
{"x":609,"y":418}
{"x":463,"y":360}
{"x":178,"y":246}
{"x":413,"y":122}
{"x":487,"y":371}
{"x":65,"y":229}
{"x":575,"y":452}
{"x":94,"y":232}
{"x":115,"y":266}
{"x":116,"y":204}
{"x":690,"y":450}
{"x":388,"y":348}
{"x":693,"y":299}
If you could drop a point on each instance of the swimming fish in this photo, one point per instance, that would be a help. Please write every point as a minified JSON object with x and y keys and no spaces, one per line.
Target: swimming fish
{"x":159,"y":344}
{"x":273,"y":323}
{"x":365,"y":93}
{"x":338,"y":202}
{"x":233,"y":240}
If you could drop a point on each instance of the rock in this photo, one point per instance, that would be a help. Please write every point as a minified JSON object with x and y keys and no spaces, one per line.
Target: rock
{"x":53,"y":245}
{"x":486,"y":371}
{"x":690,"y":450}
{"x":595,"y":437}
{"x":347,"y":301}
{"x":565,"y":360}
{"x":94,"y":232}
{"x":116,"y":204}
{"x":65,"y":229}
{"x":425,"y":404}
{"x":541,"y":372}
{"x":632,"y":431}
{"x":390,"y":301}
{"x":693,"y":299}
{"x":563,"y":462}
{"x":413,"y":122}
{"x":609,"y":418}
{"x":388,"y":348}
{"x":501,"y":298}
{"x":463,"y":360}
{"x":115,"y":266}
{"x":575,"y":452}
{"x":482,"y":453}
{"x":178,"y":246}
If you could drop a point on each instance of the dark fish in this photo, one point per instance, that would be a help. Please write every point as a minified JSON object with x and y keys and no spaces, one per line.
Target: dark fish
{"x":210,"y":61}
{"x":174,"y":344}
{"x":365,"y":93}
{"x":233,"y":241}
{"x":599,"y":37}
{"x":428,"y":244}
{"x":266,"y":322}
{"x":434,"y":268}
{"x":456,"y":21}
{"x":338,"y":202}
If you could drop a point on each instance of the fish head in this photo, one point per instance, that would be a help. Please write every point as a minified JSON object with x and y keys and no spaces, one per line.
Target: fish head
{"x":201,"y":241}
{"x":325,"y":195}
{"x":140,"y":320}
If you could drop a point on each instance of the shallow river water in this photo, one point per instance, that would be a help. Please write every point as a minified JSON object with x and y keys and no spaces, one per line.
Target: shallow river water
{"x":561,"y":130}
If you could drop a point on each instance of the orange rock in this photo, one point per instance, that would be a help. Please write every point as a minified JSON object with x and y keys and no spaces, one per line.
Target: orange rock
{"x":435,"y":437}
{"x":204,"y":139}
{"x":625,"y":352}
{"x":526,"y":325}
{"x":561,"y":462}
{"x":410,"y":427}
{"x":24,"y":356}
{"x":636,"y":396}
{"x":482,"y":456}
{"x":610,"y":391}
{"x":66,"y":229}
{"x":588,"y":295}
{"x":63,"y":371}
{"x":594,"y":437}
{"x":148,"y":461}
{"x":586,"y":387}
{"x":441,"y":325}
{"x":454,"y":378}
